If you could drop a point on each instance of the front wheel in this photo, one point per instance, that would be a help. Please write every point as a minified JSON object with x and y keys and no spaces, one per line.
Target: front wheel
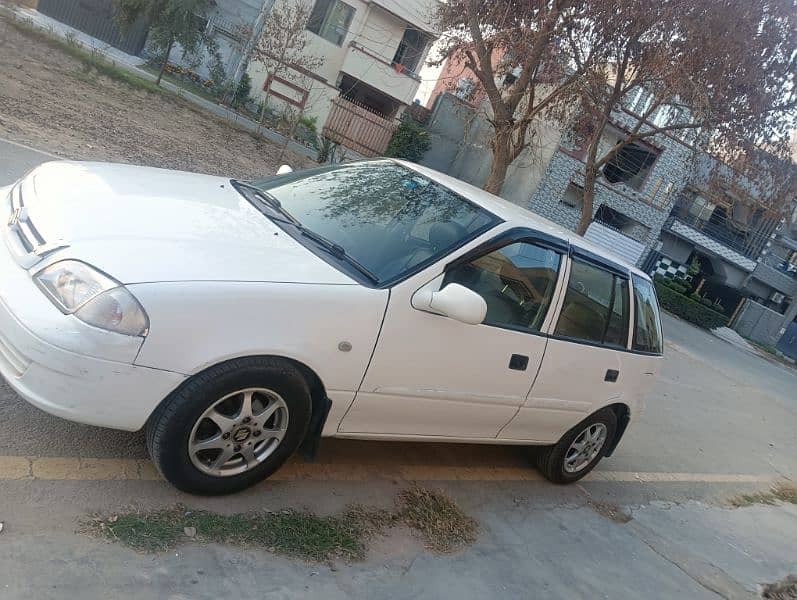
{"x":230,"y":426}
{"x":579,"y":450}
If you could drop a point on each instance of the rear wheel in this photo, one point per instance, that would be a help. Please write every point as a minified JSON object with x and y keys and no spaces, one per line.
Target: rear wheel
{"x":230,"y":426}
{"x":579,"y":450}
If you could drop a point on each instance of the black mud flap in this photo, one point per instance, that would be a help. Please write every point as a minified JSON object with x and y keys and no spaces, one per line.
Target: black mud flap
{"x":309,"y":447}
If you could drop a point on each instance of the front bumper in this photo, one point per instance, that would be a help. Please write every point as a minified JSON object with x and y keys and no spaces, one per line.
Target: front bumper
{"x":68,"y":368}
{"x":77,"y":387}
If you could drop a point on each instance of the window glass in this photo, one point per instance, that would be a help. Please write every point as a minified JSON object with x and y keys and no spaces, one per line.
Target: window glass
{"x":516,"y":281}
{"x":330,"y":19}
{"x":647,"y":326}
{"x":595,"y":307}
{"x":388,"y":218}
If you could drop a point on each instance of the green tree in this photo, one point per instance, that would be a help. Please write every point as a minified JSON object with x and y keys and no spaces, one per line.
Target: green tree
{"x":170,"y":22}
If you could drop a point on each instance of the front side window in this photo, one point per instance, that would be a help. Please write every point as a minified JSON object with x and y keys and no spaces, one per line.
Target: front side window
{"x":647,"y":326}
{"x":517,"y":283}
{"x":595,"y":307}
{"x":330,"y":19}
{"x":387,"y":218}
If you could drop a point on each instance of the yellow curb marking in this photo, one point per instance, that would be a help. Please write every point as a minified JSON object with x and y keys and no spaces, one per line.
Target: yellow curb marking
{"x":30,"y":468}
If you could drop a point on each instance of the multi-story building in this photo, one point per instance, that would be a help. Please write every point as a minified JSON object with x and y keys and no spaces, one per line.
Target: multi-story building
{"x":372,"y":51}
{"x":742,"y":248}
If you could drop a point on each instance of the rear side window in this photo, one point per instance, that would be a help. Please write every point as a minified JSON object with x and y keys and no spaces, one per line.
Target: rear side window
{"x":595,"y":308}
{"x":647,"y":326}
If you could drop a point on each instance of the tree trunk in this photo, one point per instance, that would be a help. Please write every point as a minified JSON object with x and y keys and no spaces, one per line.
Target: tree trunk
{"x":588,"y":200}
{"x":590,"y":175}
{"x":165,"y":61}
{"x":502,"y":156}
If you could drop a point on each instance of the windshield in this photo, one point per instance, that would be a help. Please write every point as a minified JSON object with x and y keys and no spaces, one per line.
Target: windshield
{"x":388,"y":219}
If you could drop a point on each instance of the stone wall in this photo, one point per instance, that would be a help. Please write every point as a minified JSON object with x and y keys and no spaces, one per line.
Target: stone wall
{"x":649,"y":206}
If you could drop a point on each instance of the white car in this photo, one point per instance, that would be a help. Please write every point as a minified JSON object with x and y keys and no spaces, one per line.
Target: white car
{"x":372,"y":300}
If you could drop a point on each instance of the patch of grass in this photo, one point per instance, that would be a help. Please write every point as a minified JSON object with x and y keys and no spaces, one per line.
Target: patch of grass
{"x":442,"y":524}
{"x":439,"y":521}
{"x":786,"y":589}
{"x":780,"y":492}
{"x":293,"y":533}
{"x":90,"y":59}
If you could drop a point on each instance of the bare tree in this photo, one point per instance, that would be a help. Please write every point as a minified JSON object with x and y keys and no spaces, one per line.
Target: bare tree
{"x":716,"y":72}
{"x":283,"y":46}
{"x":512,"y":47}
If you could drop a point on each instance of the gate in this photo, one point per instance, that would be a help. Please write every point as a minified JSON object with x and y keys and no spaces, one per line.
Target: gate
{"x":97,"y":19}
{"x":353,"y":125}
{"x":788,"y":341}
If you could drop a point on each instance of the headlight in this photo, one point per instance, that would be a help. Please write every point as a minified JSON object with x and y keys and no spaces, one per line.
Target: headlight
{"x":93,"y":297}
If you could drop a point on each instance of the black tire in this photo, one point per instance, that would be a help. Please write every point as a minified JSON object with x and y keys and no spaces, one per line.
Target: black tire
{"x":550,"y":460}
{"x":169,"y":428}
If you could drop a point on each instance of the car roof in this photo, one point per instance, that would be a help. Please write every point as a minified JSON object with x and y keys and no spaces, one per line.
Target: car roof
{"x":514,"y":214}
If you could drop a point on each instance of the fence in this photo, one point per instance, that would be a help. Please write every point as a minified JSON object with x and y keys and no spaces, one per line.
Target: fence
{"x":353,"y":125}
{"x":97,"y":18}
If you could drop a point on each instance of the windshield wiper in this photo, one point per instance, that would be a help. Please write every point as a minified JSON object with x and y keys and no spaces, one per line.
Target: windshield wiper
{"x":334,"y":249}
{"x":337,"y":251}
{"x":267,"y":199}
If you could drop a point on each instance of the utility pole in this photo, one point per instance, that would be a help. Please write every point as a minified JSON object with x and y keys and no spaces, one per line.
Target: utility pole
{"x":257,"y":31}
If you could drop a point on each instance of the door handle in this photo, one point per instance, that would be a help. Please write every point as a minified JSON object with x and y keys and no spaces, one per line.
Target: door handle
{"x":611,"y":375}
{"x":518,"y":362}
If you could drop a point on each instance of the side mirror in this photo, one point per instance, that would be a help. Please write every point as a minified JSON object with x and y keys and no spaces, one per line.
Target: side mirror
{"x":284,"y":169}
{"x":454,"y":301}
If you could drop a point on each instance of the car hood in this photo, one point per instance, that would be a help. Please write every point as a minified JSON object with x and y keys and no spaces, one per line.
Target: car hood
{"x":141,"y":224}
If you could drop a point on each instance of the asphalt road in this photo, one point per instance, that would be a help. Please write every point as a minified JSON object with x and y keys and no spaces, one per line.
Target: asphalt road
{"x":718,"y":422}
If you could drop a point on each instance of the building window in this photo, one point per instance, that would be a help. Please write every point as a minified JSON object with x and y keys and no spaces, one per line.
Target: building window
{"x":618,"y":221}
{"x":330,"y":19}
{"x":630,"y":165}
{"x":595,"y":308}
{"x":411,"y":49}
{"x":464,"y":88}
{"x":574,"y":196}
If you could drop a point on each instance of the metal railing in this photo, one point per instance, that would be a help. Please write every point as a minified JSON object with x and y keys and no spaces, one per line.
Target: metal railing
{"x":748,"y":242}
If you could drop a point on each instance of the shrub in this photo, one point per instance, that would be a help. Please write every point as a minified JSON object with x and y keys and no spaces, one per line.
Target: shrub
{"x":689,"y":309}
{"x":241,"y":95}
{"x":409,"y":141}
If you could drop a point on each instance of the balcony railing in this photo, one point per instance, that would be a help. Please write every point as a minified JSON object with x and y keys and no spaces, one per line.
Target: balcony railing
{"x":720,"y":228}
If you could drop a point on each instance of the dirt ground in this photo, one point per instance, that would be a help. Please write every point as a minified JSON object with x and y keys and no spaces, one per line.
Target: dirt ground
{"x":48,"y":100}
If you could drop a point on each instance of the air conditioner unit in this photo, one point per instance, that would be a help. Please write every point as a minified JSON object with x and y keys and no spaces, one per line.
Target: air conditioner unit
{"x":777,"y":297}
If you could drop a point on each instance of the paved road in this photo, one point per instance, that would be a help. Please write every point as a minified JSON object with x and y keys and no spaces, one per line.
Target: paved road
{"x":718,"y":422}
{"x":16,"y":160}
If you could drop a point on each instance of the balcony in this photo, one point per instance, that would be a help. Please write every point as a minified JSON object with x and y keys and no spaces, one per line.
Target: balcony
{"x":704,"y":235}
{"x":378,"y":72}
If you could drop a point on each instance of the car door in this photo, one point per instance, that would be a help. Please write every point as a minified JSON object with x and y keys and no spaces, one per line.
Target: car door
{"x":586,"y":362}
{"x":431,"y":375}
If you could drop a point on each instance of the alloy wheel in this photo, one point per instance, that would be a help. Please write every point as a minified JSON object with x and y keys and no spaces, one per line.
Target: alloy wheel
{"x":238,"y":432}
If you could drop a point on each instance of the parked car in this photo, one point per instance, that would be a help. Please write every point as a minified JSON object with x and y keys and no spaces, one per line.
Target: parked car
{"x":374,"y":300}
